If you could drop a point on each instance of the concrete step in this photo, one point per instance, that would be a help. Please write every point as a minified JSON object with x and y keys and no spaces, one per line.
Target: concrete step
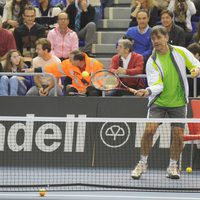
{"x":106,"y":62}
{"x":117,"y":13}
{"x":104,"y":48}
{"x":108,"y":37}
{"x":122,"y":2}
{"x":114,"y":23}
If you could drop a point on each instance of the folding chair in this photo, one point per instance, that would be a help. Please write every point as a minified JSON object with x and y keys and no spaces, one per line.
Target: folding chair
{"x":194,"y":128}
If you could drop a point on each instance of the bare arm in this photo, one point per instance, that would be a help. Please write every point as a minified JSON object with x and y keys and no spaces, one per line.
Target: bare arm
{"x":137,"y":8}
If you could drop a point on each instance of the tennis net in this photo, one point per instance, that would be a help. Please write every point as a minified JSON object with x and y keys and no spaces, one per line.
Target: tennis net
{"x":80,"y":153}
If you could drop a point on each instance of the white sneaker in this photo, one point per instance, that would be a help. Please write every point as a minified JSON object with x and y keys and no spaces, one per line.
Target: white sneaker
{"x":139,"y":170}
{"x":173,"y":172}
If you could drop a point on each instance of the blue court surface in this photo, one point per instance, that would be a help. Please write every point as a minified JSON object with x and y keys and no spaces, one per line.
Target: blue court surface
{"x":100,"y":195}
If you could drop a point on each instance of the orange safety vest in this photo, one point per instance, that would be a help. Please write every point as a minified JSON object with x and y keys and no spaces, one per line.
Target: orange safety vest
{"x":67,"y":69}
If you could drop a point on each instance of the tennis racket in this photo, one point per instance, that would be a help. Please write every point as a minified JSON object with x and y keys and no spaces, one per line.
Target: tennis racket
{"x":106,"y":80}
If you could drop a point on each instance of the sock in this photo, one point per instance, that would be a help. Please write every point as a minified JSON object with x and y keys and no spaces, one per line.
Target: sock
{"x":172,"y":162}
{"x":143,"y":159}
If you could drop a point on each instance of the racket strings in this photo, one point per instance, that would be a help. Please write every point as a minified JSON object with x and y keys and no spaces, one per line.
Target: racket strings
{"x":105,"y":81}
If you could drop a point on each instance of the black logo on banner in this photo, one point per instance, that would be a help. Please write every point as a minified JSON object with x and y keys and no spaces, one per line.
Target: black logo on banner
{"x":114,"y":135}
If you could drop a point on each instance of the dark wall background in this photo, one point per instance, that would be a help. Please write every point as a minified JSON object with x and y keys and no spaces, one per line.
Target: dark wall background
{"x":95,"y":153}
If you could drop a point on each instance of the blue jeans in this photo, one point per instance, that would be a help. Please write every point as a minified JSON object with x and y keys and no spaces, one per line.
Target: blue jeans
{"x":98,"y":14}
{"x":12,"y":85}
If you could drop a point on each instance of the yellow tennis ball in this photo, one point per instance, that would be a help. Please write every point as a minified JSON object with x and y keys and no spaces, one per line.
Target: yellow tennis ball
{"x":85,"y":74}
{"x":189,"y":170}
{"x":42,"y":192}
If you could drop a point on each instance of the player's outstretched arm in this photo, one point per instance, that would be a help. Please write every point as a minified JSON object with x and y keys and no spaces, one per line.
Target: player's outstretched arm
{"x":142,"y":93}
{"x":132,"y":90}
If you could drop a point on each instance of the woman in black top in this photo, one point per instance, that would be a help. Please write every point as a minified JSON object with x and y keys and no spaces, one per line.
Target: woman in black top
{"x":148,"y":5}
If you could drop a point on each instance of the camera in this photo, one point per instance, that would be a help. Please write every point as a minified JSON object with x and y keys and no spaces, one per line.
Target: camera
{"x":181,"y":4}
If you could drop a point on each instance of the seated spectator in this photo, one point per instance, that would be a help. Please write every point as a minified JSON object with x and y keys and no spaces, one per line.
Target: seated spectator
{"x":104,"y":4}
{"x":2,"y":4}
{"x":69,"y":2}
{"x":12,"y":14}
{"x":161,"y":4}
{"x":140,"y":35}
{"x":81,"y":16}
{"x":72,"y":68}
{"x":63,"y":39}
{"x":14,"y":85}
{"x":98,"y":12}
{"x":127,"y":62}
{"x":196,"y":36}
{"x":197,"y":5}
{"x":194,"y":48}
{"x":58,"y":3}
{"x":183,"y":11}
{"x":27,"y":34}
{"x":1,"y":67}
{"x":46,"y":14}
{"x":44,"y":85}
{"x":175,"y":32}
{"x":7,"y":41}
{"x":34,"y":3}
{"x":147,"y":5}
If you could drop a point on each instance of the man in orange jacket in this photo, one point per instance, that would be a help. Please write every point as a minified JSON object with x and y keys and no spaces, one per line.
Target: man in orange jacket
{"x":72,"y":69}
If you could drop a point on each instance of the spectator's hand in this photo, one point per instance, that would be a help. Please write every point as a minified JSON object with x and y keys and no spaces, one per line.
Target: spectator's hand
{"x":138,"y":4}
{"x":69,"y":2}
{"x":120,"y":70}
{"x":30,"y":70}
{"x":42,"y":92}
{"x":46,"y":91}
{"x":60,"y":86}
{"x":20,"y":78}
{"x":195,"y":72}
{"x":13,"y":23}
{"x":67,"y":87}
{"x":142,"y":93}
{"x":27,"y":59}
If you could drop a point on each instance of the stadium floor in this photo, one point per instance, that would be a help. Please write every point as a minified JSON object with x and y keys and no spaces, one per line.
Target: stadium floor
{"x":100,"y":196}
{"x":186,"y":188}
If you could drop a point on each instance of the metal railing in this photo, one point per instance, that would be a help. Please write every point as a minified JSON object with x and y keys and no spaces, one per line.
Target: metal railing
{"x":103,"y":93}
{"x":33,"y":74}
{"x":145,"y":76}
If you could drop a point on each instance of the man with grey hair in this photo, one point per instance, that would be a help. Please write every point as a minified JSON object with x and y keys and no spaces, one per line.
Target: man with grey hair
{"x":7,"y":41}
{"x":127,"y":62}
{"x":168,"y":96}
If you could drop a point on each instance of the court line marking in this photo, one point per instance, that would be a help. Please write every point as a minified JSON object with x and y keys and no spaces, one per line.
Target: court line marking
{"x":103,"y":196}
